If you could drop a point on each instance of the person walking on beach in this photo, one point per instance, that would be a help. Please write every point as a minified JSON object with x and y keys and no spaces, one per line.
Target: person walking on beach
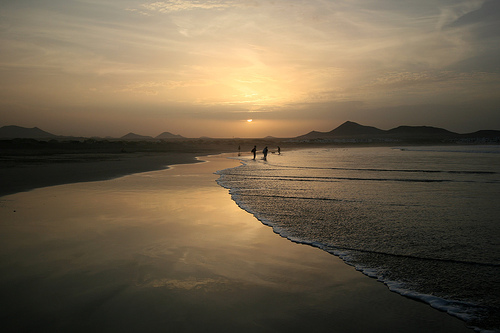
{"x":254,"y":151}
{"x":279,"y":150}
{"x":265,"y":153}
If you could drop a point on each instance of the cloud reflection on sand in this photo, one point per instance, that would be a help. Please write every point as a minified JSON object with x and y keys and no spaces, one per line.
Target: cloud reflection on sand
{"x":190,"y":283}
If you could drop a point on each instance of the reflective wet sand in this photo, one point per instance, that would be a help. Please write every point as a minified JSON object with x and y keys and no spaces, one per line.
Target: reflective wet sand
{"x":169,"y":251}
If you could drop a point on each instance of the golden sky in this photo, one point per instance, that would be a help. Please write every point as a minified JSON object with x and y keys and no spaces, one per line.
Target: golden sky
{"x":202,"y":68}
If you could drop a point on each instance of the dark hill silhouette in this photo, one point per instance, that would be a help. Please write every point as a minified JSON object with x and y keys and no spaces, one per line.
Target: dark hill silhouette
{"x":18,"y":132}
{"x":168,"y":135}
{"x":484,"y":133}
{"x":354,"y":131}
{"x":419,"y":131}
{"x":350,"y":128}
{"x":348,"y":132}
{"x":133,"y":136}
{"x":312,"y":135}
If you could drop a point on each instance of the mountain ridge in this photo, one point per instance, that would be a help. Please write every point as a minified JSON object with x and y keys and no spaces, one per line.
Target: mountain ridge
{"x":134,"y":136}
{"x":19,"y":132}
{"x":349,"y":130}
{"x":168,"y":135}
{"x":13,"y":131}
{"x":352,"y":130}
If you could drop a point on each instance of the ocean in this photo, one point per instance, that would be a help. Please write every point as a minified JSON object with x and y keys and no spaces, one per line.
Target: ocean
{"x":423,"y":220}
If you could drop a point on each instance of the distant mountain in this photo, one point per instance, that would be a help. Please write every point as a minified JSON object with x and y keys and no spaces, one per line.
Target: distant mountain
{"x":18,"y":132}
{"x":482,"y":134}
{"x":411,"y":131}
{"x":346,"y":130}
{"x":133,"y":136}
{"x":354,"y":131}
{"x":350,"y":128}
{"x":168,"y":135}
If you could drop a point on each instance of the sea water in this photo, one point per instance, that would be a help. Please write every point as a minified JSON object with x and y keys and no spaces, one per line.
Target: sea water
{"x":423,"y":220}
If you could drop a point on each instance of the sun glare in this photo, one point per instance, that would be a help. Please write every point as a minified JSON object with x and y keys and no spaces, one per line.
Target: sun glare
{"x":249,"y":120}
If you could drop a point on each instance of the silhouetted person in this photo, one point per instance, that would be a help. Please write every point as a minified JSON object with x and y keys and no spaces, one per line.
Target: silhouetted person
{"x":254,"y":151}
{"x":265,"y":153}
{"x":279,"y":150}
{"x":239,"y":150}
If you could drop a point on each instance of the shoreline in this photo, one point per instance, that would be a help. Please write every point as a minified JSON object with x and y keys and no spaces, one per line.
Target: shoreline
{"x":25,"y":169}
{"x":169,"y":249}
{"x":38,"y":172}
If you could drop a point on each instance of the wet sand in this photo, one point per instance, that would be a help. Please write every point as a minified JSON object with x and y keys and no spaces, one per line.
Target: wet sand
{"x":27,"y":173}
{"x":169,"y":251}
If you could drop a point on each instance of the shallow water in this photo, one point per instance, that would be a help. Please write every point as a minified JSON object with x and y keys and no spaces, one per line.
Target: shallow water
{"x":424,"y":220}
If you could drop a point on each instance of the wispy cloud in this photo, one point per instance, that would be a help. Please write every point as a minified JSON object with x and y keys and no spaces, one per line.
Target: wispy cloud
{"x":187,"y":5}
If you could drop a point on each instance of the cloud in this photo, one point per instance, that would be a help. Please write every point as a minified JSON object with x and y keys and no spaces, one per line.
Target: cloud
{"x":479,"y":33}
{"x":187,"y":5}
{"x":487,"y":14}
{"x":399,"y":80}
{"x":222,"y":60}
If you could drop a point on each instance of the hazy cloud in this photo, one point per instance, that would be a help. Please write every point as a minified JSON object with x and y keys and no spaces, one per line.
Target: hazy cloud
{"x":487,"y":14}
{"x":186,"y":5}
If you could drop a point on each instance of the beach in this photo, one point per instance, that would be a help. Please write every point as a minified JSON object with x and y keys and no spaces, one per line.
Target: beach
{"x":169,"y":251}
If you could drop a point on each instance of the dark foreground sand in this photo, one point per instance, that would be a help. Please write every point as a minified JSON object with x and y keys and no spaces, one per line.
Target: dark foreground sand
{"x":168,"y":251}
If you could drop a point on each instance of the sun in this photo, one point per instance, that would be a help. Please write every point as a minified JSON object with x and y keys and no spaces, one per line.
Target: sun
{"x":249,"y":120}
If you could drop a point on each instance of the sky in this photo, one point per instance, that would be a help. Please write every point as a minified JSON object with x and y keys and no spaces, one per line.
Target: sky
{"x":203,"y":68}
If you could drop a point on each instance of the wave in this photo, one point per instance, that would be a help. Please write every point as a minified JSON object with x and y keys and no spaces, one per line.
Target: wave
{"x":239,"y":192}
{"x":297,"y":198}
{"x":466,"y":172}
{"x":489,"y":149}
{"x":333,"y":248}
{"x":332,"y":179}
